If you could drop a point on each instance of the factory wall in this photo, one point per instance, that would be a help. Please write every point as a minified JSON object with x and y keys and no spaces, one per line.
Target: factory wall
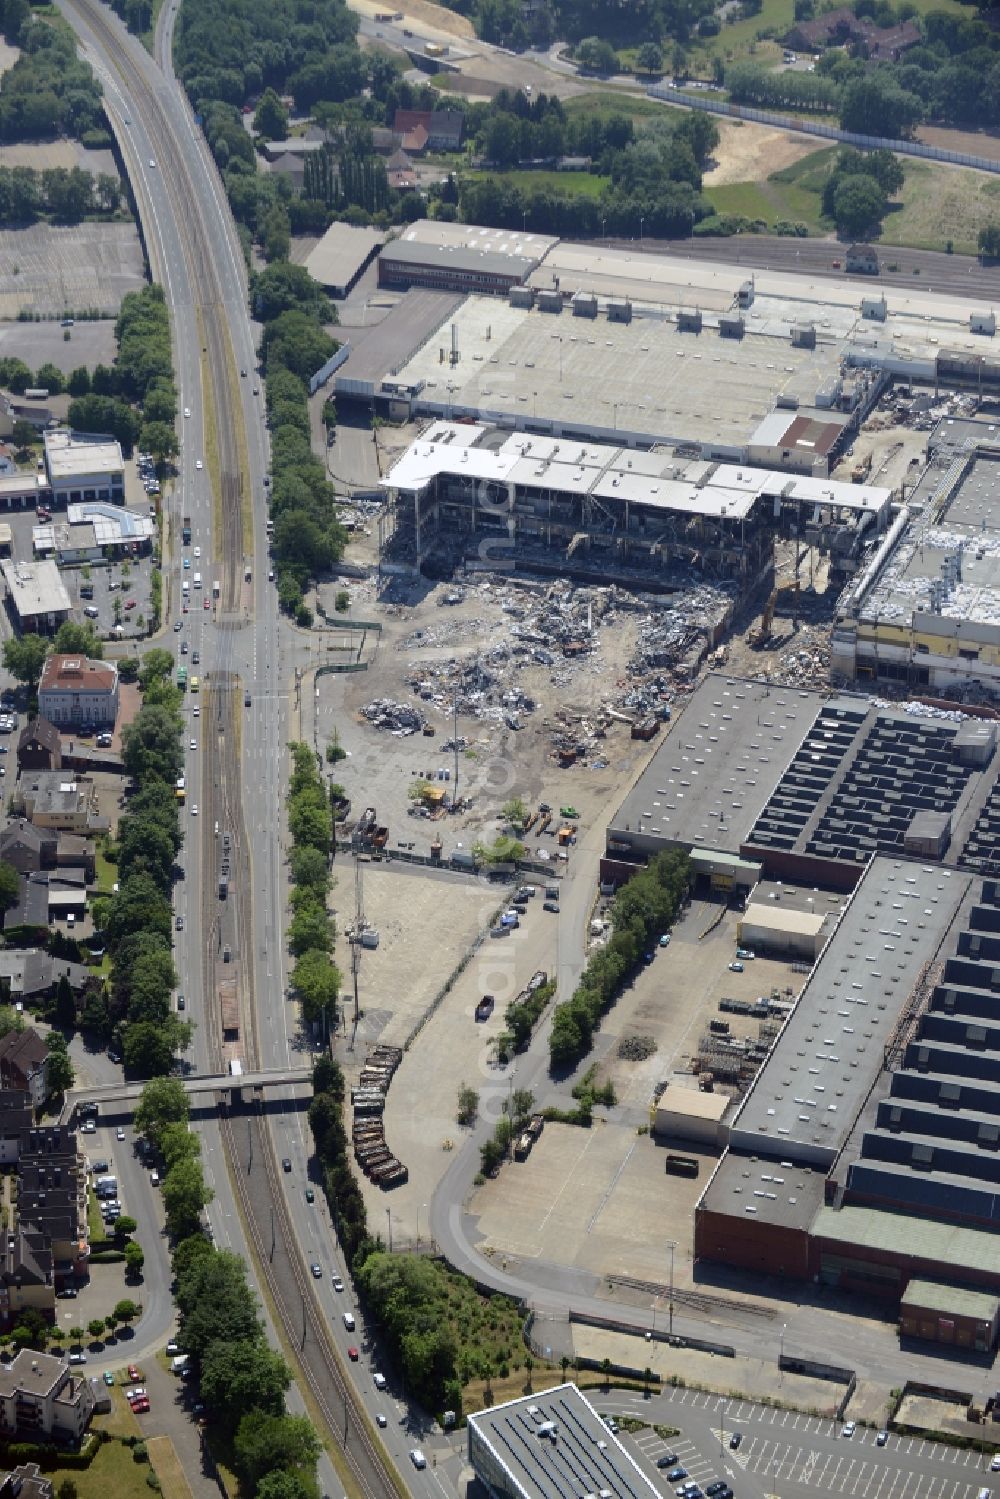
{"x":749,"y":1244}
{"x":804,"y":869}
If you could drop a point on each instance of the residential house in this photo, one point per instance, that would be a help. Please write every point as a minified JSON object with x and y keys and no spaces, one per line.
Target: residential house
{"x":40,"y":1397}
{"x":840,"y":26}
{"x":23,"y":1064}
{"x":52,"y":1196}
{"x":25,"y":1482}
{"x":31,"y":974}
{"x":401,"y":172}
{"x":16,"y":1116}
{"x":39,"y":746}
{"x":26,"y":1278}
{"x":384,"y":140}
{"x":57,"y":799}
{"x":291,"y":166}
{"x":444,"y":129}
{"x":31,"y":912}
{"x":33,"y":849}
{"x":74,"y":691}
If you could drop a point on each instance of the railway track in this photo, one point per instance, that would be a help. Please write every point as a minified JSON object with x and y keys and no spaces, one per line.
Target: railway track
{"x":260,"y":1191}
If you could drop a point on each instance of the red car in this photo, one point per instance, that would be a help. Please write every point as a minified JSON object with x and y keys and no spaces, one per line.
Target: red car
{"x":134,"y":1372}
{"x":140,"y":1407}
{"x":352,"y":1354}
{"x":130,"y":604}
{"x":208,"y":603}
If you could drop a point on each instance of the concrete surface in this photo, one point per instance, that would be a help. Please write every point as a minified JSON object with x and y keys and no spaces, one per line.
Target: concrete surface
{"x":51,"y":270}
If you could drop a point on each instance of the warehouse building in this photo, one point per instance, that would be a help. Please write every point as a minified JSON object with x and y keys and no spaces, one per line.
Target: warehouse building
{"x":345,"y":251}
{"x":780,"y":931}
{"x":94,"y":530}
{"x":460,"y":258}
{"x":926,"y":609}
{"x":952,"y":1315}
{"x":551,"y":1446}
{"x":692,"y":1115}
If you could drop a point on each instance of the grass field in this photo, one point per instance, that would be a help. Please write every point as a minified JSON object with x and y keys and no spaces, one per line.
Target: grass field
{"x":166,"y":1465}
{"x":794,"y":194}
{"x":569,"y":184}
{"x":604,"y":103}
{"x":113,"y":1472}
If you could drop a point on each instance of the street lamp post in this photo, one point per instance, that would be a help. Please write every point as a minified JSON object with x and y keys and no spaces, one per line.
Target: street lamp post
{"x":781,"y":1349}
{"x":641,"y":222}
{"x":670,"y":1331}
{"x":388,"y":1214}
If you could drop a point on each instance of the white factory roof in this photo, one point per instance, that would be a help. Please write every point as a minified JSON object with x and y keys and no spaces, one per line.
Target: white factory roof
{"x":68,"y":454}
{"x":510,"y":242}
{"x":36,"y":588}
{"x":652,"y":479}
{"x":341,"y":253}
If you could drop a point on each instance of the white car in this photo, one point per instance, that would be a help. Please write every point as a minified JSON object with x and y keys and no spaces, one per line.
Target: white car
{"x":187,"y":410}
{"x":196,"y":711}
{"x":119,"y":1133}
{"x":338,"y":1284}
{"x":199,"y":465}
{"x":378,"y":1380}
{"x":194,"y":810}
{"x":380,"y":1420}
{"x":995,"y":1464}
{"x":194,"y":744}
{"x":849,"y":1429}
{"x":197,"y":553}
{"x":152,"y":163}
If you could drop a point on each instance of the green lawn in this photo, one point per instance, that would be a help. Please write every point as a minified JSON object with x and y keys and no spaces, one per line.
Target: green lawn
{"x":793,"y":194}
{"x":604,"y":103}
{"x":105,"y":873}
{"x":581,"y":184}
{"x":113,"y":1471}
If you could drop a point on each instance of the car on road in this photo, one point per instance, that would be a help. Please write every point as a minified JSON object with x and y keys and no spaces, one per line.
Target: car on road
{"x":736,"y":967}
{"x":665,"y":940}
{"x":177,"y":626}
{"x":848,"y":1429}
{"x":187,"y":564}
{"x":119,"y":1133}
{"x":380,"y":1420}
{"x":735,"y":1440}
{"x":184,"y":648}
{"x":187,"y":410}
{"x":417,"y":1458}
{"x":173,"y":1348}
{"x":353,"y":1355}
{"x":194,"y":810}
{"x":338,"y":1284}
{"x":195,"y":711}
{"x":197,"y":552}
{"x":108,"y":1377}
{"x":195,"y":658}
{"x":883,"y":1437}
{"x":317,"y":1270}
{"x":349,"y":1321}
{"x":310,"y":1195}
{"x":378,"y":1380}
{"x":199,"y":465}
{"x":246,"y":695}
{"x":152,"y":163}
{"x":90,"y":1128}
{"x":208,"y":602}
{"x":668,"y":1460}
{"x":179,"y":923}
{"x":243,"y":374}
{"x":181,"y":1005}
{"x":78,"y":1358}
{"x":286,"y":1164}
{"x":193,"y":744}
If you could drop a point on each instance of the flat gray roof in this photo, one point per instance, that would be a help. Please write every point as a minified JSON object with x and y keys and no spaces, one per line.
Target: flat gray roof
{"x":342,"y":252}
{"x":585,"y":1457}
{"x":36,"y":588}
{"x":379,"y":348}
{"x":457,"y":257}
{"x":718,"y":765}
{"x":766,"y":1191}
{"x":951,"y":1299}
{"x":807,"y":1096}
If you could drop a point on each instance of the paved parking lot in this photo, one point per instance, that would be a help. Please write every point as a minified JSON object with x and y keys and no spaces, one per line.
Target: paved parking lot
{"x":788,"y":1451}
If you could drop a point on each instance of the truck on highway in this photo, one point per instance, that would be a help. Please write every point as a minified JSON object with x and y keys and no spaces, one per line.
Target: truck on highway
{"x":186,"y":530}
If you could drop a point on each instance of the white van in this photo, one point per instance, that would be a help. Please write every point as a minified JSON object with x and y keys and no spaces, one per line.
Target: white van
{"x":349,"y":1321}
{"x":185,"y":587}
{"x":417,"y":1458}
{"x":197,"y":580}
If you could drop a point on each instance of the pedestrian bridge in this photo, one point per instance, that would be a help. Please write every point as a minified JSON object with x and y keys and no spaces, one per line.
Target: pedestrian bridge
{"x":121,"y":1098}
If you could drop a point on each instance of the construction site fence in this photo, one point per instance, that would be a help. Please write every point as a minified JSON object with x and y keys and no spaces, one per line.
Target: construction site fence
{"x":670,"y":95}
{"x":614,"y":1324}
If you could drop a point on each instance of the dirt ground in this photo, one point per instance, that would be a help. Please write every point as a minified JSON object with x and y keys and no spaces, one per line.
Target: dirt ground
{"x":750,"y":153}
{"x":972,"y":142}
{"x":426,"y":13}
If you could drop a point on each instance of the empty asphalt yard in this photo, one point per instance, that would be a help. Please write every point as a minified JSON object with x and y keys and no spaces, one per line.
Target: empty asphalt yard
{"x":790,"y":1454}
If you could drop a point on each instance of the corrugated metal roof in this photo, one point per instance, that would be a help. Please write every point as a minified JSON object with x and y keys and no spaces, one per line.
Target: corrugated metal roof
{"x":951,"y":1300}
{"x":919,"y":1238}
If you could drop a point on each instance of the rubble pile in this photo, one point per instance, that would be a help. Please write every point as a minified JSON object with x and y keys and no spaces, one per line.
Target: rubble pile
{"x":671,"y":632}
{"x":399,"y":718}
{"x":806,"y":661}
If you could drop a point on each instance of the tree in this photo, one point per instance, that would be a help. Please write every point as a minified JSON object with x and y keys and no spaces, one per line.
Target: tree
{"x":185,"y":1194}
{"x":72,"y":639}
{"x":215,"y":1301}
{"x":10,"y":1020}
{"x":25,"y":657}
{"x":242,"y":1376}
{"x":163,"y":1102}
{"x":125,"y":1227}
{"x":858,"y":206}
{"x":282,"y":1485}
{"x":595,"y":55}
{"x":521,"y":1104}
{"x":127,"y":1310}
{"x":468,"y":1105}
{"x":151,"y":744}
{"x":149,"y":1048}
{"x":514,"y":812}
{"x":989,"y":247}
{"x":649,"y":58}
{"x":95,"y":1327}
{"x":271,"y":118}
{"x":65,"y":1004}
{"x":874,"y":104}
{"x":67,"y":1489}
{"x":316,"y":980}
{"x":266,"y":1444}
{"x":160,"y":439}
{"x":9,"y":886}
{"x":134,"y":1258}
{"x":59,"y":1073}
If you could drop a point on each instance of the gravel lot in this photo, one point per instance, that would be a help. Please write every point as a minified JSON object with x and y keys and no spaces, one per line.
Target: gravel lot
{"x":52,"y":270}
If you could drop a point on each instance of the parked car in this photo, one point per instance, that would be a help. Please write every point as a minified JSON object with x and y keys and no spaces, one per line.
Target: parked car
{"x":353,"y":1355}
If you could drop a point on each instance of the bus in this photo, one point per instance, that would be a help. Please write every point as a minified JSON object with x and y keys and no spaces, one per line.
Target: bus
{"x":195,"y":684}
{"x":182,"y":678}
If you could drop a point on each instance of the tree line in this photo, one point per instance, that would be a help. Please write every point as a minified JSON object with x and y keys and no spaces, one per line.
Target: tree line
{"x":308,"y":538}
{"x":642,"y":911}
{"x":315,"y":978}
{"x":64,"y":194}
{"x":136,"y":399}
{"x":241,"y":1379}
{"x":508,"y":24}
